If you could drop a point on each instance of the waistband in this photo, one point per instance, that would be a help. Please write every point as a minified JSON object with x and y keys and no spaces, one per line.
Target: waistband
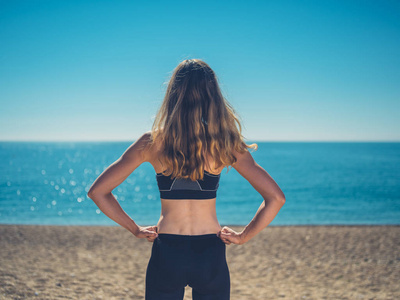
{"x":187,"y":237}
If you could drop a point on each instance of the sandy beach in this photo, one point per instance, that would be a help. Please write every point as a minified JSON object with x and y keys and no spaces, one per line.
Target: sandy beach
{"x":282,"y":262}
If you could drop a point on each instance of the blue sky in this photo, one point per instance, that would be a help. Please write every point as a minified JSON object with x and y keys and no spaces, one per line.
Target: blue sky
{"x":293,"y":70}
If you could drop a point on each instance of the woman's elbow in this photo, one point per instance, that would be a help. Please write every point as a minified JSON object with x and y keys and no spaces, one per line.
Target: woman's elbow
{"x":92,"y":194}
{"x":280,"y":198}
{"x":97,"y":193}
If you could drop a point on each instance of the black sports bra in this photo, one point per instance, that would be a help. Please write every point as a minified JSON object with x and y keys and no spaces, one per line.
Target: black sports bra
{"x":182,"y":188}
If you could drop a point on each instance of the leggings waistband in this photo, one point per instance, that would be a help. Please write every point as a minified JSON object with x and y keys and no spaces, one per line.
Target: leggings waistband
{"x":186,"y":237}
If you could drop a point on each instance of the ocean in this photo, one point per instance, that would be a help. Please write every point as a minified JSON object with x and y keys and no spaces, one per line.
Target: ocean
{"x":325,"y":183}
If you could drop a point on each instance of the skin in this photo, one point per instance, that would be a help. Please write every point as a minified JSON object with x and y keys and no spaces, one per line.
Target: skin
{"x":184,"y":216}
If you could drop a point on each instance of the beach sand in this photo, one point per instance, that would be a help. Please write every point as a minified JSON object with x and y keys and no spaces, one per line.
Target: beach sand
{"x":282,"y":262}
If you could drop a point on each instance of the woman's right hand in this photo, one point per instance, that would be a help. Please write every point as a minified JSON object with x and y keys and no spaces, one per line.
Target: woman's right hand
{"x":228,"y":236}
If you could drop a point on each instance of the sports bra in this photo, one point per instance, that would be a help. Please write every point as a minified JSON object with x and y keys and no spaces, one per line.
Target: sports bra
{"x":185,"y":188}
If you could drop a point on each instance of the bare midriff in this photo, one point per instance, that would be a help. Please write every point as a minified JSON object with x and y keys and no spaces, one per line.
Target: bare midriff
{"x":188,"y":217}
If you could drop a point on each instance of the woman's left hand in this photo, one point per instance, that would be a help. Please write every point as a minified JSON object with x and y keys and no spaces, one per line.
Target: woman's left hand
{"x":149,"y":232}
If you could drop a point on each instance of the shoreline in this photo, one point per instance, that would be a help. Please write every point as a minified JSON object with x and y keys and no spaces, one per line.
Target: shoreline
{"x":281,"y":262}
{"x":222,"y":225}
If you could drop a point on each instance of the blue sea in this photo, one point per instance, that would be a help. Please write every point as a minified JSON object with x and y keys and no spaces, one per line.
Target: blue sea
{"x":324,"y":183}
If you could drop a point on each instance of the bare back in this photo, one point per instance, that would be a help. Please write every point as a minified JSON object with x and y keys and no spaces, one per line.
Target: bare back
{"x":185,"y":216}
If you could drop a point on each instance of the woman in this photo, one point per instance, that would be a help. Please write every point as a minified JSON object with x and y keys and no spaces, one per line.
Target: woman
{"x":195,"y":135}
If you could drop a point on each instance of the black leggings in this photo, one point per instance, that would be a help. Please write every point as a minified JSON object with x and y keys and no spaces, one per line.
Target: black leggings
{"x":180,"y":260}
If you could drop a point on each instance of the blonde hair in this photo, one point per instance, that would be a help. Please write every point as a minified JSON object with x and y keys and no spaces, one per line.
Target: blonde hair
{"x":195,"y":120}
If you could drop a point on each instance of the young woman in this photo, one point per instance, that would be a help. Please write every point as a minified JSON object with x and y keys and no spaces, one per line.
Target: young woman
{"x":195,"y":135}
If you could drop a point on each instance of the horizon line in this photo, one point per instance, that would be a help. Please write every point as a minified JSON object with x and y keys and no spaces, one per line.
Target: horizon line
{"x":247,"y":141}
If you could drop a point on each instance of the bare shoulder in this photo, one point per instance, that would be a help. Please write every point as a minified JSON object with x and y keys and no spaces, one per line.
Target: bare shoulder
{"x":151,"y":148}
{"x":243,"y":159}
{"x":141,"y":147}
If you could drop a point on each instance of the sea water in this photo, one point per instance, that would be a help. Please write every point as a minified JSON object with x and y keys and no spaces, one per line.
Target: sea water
{"x":323,"y":182}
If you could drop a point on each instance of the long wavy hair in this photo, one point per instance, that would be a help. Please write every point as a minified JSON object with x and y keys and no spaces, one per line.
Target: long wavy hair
{"x":194,"y":121}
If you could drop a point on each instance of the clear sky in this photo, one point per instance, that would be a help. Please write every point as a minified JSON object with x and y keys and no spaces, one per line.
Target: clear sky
{"x":293,"y":70}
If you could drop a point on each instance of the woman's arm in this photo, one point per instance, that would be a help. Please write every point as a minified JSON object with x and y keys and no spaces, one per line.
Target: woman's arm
{"x":273,"y":196}
{"x":101,"y":190}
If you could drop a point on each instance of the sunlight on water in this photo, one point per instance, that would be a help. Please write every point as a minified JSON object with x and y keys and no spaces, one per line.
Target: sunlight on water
{"x":324,"y":183}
